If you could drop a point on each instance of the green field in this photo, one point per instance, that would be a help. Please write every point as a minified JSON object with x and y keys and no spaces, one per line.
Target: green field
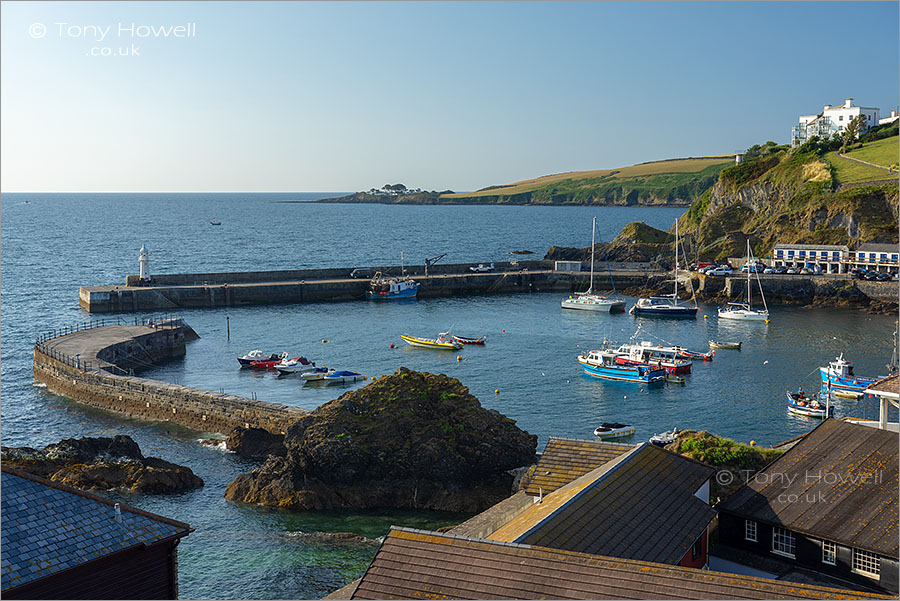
{"x":676,"y":170}
{"x":881,"y":152}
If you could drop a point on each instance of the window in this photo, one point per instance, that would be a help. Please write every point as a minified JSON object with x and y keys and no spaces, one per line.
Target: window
{"x":790,"y":253}
{"x":840,"y":117}
{"x":697,"y":549}
{"x":865,"y":563}
{"x":750,"y":530}
{"x":829,"y":552}
{"x":782,"y":541}
{"x":812,"y":253}
{"x":802,"y":253}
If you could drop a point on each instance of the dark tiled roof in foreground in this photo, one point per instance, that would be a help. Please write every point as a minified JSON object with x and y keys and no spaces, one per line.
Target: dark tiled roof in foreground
{"x":565,"y":459}
{"x":844,"y":478}
{"x":49,"y":527}
{"x":888,"y":385}
{"x":640,"y":506}
{"x":413,"y":564}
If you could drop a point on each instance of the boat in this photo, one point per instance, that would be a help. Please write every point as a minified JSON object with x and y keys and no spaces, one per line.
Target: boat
{"x":683,"y":353}
{"x":342,"y":376}
{"x":464,"y":340}
{"x":744,"y":311}
{"x":215,"y":223}
{"x":672,"y":378}
{"x":443,"y":342}
{"x":847,"y":394}
{"x":646,"y":353}
{"x":613,"y":430}
{"x":269,"y":363}
{"x":839,"y":374}
{"x":603,"y":364}
{"x":295,"y":365}
{"x":588,"y":301}
{"x":383,"y":287}
{"x":801,"y":404}
{"x":666,"y":305}
{"x":316,"y":375}
{"x":664,"y":438}
{"x":736,"y":346}
{"x":257,"y":355}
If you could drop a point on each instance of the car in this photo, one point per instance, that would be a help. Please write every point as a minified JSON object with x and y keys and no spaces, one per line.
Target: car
{"x":706,"y":268}
{"x":752,"y":267}
{"x":362,"y":272}
{"x":792,"y":271}
{"x":482,"y":267}
{"x":720,"y":270}
{"x":858,"y":272}
{"x":870,"y":276}
{"x":884,"y":277}
{"x":770,"y":270}
{"x":806,"y":271}
{"x":781,"y":269}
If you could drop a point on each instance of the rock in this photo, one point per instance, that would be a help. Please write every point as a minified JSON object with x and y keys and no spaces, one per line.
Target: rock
{"x":255,"y":442}
{"x":102,"y":464}
{"x":409,"y":439}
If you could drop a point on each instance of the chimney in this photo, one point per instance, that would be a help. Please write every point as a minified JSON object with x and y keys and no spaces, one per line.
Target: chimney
{"x":893,"y":113}
{"x":848,"y":102}
{"x":827,"y":106}
{"x":119,"y":517}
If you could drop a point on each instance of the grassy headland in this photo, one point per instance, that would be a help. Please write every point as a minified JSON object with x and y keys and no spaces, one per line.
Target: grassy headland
{"x":662,"y":183}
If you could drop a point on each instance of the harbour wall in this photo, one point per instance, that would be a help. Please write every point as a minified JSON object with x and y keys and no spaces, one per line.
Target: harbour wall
{"x":91,"y":381}
{"x":800,"y":289}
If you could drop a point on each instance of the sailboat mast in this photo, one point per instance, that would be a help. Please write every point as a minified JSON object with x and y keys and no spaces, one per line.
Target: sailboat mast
{"x":676,"y":261}
{"x":749,"y":267}
{"x":593,"y":234}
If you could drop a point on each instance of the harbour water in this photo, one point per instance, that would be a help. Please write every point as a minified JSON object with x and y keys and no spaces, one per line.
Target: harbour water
{"x":56,"y":243}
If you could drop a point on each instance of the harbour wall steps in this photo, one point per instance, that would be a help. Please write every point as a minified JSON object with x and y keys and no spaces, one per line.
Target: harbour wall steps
{"x":92,"y":365}
{"x":211,"y":290}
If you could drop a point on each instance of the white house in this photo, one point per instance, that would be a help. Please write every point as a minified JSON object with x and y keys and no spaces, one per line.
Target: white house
{"x":877,"y":257}
{"x":829,"y":258}
{"x":831,"y":120}
{"x":892,"y":119}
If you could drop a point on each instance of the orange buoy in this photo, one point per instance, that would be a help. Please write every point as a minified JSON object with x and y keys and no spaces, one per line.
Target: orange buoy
{"x":496,"y":391}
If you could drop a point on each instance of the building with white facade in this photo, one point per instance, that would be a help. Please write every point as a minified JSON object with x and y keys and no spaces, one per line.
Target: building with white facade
{"x":830,"y":258}
{"x":877,"y":257}
{"x":831,"y":120}
{"x":892,"y":119}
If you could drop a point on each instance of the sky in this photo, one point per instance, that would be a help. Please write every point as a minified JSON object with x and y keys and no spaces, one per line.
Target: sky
{"x":335,"y":96}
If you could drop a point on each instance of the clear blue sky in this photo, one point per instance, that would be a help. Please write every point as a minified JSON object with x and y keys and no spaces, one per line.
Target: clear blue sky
{"x":324,"y":96}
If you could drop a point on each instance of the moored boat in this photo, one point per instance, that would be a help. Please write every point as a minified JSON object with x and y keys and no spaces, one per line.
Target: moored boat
{"x":383,"y":287}
{"x":269,"y":363}
{"x":801,"y":404}
{"x":257,"y":355}
{"x":316,"y":375}
{"x":743,"y":311}
{"x":336,"y":377}
{"x":465,"y":340}
{"x":666,"y":305}
{"x":604,"y":365}
{"x":613,"y":430}
{"x":839,"y":374}
{"x":443,"y":342}
{"x":683,"y":353}
{"x":664,"y":438}
{"x":736,"y":346}
{"x":646,"y":353}
{"x":590,"y":301}
{"x":295,"y":365}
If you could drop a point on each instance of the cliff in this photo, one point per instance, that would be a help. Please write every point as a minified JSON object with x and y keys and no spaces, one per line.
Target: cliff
{"x":409,"y":439}
{"x":102,"y":464}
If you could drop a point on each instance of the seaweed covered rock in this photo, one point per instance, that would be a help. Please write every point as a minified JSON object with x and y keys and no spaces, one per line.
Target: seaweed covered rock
{"x":410,"y":439}
{"x":102,"y":464}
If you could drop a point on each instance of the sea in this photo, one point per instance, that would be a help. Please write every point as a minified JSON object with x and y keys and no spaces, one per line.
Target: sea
{"x":54,"y":243}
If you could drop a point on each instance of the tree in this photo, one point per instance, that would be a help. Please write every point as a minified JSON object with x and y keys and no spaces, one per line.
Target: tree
{"x":854,"y":128}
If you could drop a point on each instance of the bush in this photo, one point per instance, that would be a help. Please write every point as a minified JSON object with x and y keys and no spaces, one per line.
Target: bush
{"x":879,"y":132}
{"x":736,"y":176}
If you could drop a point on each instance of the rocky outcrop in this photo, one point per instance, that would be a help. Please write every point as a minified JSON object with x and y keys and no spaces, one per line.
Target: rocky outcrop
{"x":637,"y":243}
{"x":255,"y":443}
{"x":409,"y":439}
{"x":102,"y":464}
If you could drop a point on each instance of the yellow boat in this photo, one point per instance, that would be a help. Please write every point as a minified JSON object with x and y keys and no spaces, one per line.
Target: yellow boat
{"x":440,"y":343}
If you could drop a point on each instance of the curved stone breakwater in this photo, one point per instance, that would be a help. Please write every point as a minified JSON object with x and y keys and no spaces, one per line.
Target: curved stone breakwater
{"x":80,"y":362}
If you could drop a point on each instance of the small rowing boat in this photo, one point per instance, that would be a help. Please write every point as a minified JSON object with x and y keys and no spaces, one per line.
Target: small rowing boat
{"x":613,"y":430}
{"x":847,"y":394}
{"x":673,"y":379}
{"x":735,"y":346}
{"x":441,"y":343}
{"x":801,"y":404}
{"x":464,"y":340}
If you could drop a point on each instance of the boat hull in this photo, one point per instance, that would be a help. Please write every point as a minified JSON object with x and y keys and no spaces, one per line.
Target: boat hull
{"x":612,"y":306}
{"x":425,"y":343}
{"x":736,"y":346}
{"x":616,"y":432}
{"x":411,"y":292}
{"x":464,"y":340}
{"x":806,"y":409}
{"x":744,"y":315}
{"x":624,"y":373}
{"x":664,"y":311}
{"x":856,"y":384}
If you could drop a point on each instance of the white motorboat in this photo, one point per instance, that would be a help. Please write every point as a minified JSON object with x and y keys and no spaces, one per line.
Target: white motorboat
{"x":744,"y":311}
{"x":336,"y":377}
{"x":295,"y":365}
{"x":588,"y":300}
{"x":317,"y":375}
{"x":613,"y":430}
{"x":664,"y":438}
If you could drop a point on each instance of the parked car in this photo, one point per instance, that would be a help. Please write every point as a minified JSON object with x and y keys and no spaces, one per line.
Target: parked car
{"x":806,"y":271}
{"x":884,"y":277}
{"x":752,"y":267}
{"x":870,"y":276}
{"x":792,"y":271}
{"x":362,"y":272}
{"x":701,"y":265}
{"x":769,"y":270}
{"x":482,"y":267}
{"x":781,"y":269}
{"x":858,"y":272}
{"x":720,"y":270}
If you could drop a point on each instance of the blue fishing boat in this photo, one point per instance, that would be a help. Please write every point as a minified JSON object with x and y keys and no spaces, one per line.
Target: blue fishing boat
{"x":810,"y":406}
{"x":839,"y":374}
{"x":387,"y":288}
{"x":603,"y":364}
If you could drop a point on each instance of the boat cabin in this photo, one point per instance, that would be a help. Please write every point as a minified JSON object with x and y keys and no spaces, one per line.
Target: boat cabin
{"x":840,"y":367}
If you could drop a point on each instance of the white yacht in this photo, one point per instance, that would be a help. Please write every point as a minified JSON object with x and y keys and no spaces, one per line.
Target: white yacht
{"x":588,"y":300}
{"x":744,"y":311}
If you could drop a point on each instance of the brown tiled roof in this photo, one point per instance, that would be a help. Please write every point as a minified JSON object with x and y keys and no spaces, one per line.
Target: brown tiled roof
{"x":844,"y":477}
{"x":641,"y":506}
{"x":413,"y":564}
{"x":888,"y":384}
{"x":565,"y":459}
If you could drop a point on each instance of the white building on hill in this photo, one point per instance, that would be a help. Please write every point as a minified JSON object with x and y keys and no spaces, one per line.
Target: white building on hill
{"x":831,"y":120}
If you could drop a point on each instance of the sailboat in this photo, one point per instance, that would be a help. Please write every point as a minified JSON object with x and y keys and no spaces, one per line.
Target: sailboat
{"x":665,"y":305}
{"x":744,"y":311}
{"x":588,"y":301}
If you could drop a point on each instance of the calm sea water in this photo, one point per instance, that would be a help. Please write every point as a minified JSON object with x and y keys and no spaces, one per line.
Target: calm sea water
{"x":56,"y":243}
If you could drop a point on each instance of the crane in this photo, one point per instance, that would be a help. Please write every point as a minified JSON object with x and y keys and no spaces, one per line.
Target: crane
{"x":432,"y":261}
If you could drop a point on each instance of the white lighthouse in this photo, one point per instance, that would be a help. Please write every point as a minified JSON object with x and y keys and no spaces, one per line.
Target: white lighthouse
{"x":144,"y":260}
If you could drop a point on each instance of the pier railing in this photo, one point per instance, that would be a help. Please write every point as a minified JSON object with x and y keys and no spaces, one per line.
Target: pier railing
{"x":41,"y":343}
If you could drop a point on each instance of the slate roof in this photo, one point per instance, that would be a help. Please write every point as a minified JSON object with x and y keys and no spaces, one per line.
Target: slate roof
{"x":641,"y":506}
{"x":886,"y":385}
{"x":47,"y":527}
{"x":565,"y":459}
{"x":829,"y":247}
{"x":844,"y":477}
{"x":414,"y":564}
{"x":878,"y":248}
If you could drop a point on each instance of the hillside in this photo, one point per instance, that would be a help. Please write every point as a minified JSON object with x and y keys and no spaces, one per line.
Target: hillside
{"x":674,"y":183}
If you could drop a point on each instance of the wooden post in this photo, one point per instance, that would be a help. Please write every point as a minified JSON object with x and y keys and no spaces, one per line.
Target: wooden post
{"x":227,"y":328}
